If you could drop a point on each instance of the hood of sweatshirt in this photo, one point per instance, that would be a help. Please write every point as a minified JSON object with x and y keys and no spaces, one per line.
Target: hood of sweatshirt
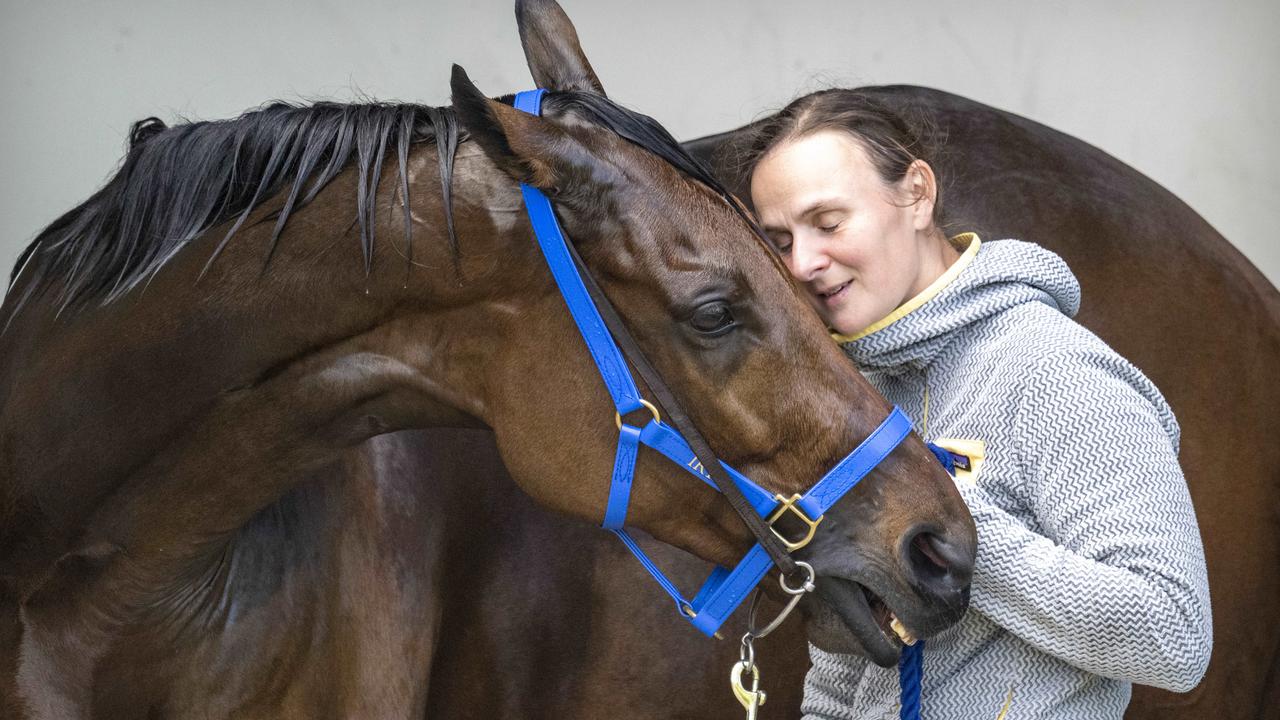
{"x":986,"y":280}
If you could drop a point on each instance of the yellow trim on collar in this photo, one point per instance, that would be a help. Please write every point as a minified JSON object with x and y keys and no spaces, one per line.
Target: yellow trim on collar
{"x":925,"y":295}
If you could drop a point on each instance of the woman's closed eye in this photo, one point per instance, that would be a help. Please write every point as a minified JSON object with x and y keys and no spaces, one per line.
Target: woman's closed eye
{"x":829,"y":222}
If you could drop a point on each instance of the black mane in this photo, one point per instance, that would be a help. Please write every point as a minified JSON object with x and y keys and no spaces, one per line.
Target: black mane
{"x":176,"y":183}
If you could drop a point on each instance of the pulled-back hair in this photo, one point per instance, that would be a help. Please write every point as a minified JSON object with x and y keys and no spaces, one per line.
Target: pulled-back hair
{"x":890,"y":143}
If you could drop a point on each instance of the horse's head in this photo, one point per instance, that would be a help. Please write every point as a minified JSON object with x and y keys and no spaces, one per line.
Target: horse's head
{"x":716,"y":312}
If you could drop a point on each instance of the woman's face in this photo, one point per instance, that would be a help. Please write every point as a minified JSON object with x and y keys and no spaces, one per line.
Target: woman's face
{"x":858,"y":246}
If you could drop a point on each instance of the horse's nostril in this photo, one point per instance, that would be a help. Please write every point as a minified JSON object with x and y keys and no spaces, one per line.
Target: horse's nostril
{"x":923,"y":553}
{"x":938,"y":567}
{"x":928,"y":566}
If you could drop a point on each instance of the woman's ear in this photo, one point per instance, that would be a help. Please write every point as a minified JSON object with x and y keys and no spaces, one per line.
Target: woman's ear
{"x":921,"y":188}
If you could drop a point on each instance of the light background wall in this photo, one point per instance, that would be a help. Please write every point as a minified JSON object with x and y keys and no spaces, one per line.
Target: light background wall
{"x":1188,"y":92}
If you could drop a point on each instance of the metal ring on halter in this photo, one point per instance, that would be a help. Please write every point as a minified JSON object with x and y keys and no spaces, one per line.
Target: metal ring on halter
{"x":747,"y":653}
{"x":657,"y":417}
{"x":755,"y":605}
{"x":796,"y":595}
{"x":808,"y":585}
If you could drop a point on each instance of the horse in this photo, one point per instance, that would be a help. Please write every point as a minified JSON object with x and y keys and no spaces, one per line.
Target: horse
{"x":1159,"y":284}
{"x":205,"y":366}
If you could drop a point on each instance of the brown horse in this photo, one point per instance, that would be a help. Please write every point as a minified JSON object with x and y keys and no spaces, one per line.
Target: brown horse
{"x":190,"y":355}
{"x":1160,"y":285}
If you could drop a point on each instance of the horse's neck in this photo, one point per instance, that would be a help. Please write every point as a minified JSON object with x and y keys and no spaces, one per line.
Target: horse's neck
{"x":99,"y":394}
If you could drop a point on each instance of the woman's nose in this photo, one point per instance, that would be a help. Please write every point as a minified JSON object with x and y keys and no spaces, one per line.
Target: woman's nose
{"x":808,"y":260}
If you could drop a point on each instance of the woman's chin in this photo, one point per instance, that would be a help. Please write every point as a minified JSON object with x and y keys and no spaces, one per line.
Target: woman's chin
{"x":846,"y":329}
{"x":846,"y":321}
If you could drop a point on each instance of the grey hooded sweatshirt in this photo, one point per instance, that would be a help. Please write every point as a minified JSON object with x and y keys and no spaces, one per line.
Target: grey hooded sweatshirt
{"x":1090,"y":572}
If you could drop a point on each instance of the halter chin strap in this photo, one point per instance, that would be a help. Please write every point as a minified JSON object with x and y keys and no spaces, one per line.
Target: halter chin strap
{"x":725,"y":589}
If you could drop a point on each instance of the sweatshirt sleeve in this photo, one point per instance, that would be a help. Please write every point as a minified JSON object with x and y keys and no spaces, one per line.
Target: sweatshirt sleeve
{"x":1113,"y":579}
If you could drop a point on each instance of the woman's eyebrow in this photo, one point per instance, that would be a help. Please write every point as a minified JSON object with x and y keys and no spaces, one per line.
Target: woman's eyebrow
{"x":820,"y":206}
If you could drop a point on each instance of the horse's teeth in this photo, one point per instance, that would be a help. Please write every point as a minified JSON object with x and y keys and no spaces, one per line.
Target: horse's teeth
{"x":901,"y":631}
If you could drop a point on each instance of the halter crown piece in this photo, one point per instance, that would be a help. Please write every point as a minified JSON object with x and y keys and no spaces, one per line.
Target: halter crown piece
{"x":725,"y":589}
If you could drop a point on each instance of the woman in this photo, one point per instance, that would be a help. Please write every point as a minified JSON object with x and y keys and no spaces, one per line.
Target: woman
{"x":1090,"y":572}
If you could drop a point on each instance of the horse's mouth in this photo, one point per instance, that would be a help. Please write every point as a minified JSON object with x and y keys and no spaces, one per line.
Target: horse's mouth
{"x":870,"y":619}
{"x":890,"y":625}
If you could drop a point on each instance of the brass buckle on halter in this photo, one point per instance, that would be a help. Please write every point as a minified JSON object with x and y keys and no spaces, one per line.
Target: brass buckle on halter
{"x":790,"y":504}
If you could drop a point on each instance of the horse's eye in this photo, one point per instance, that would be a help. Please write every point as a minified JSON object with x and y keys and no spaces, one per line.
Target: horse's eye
{"x":713,"y":318}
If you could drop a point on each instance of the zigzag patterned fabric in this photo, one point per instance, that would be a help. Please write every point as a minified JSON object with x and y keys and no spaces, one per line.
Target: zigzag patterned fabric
{"x":1090,"y":573}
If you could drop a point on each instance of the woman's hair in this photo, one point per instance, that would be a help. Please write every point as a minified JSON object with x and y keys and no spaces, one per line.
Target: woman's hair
{"x":889,"y":142}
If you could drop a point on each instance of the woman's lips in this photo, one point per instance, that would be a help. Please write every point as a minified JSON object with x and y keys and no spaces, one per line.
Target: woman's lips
{"x":835,"y":295}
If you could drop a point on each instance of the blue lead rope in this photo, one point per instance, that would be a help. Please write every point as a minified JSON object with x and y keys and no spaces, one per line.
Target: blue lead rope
{"x":911,"y":661}
{"x":910,"y":675}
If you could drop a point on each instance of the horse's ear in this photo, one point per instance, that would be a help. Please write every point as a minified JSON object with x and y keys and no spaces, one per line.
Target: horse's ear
{"x":526,"y":147}
{"x":551,"y":48}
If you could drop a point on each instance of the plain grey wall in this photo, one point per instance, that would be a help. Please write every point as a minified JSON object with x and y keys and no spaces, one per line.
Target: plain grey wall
{"x":1186,"y":92}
